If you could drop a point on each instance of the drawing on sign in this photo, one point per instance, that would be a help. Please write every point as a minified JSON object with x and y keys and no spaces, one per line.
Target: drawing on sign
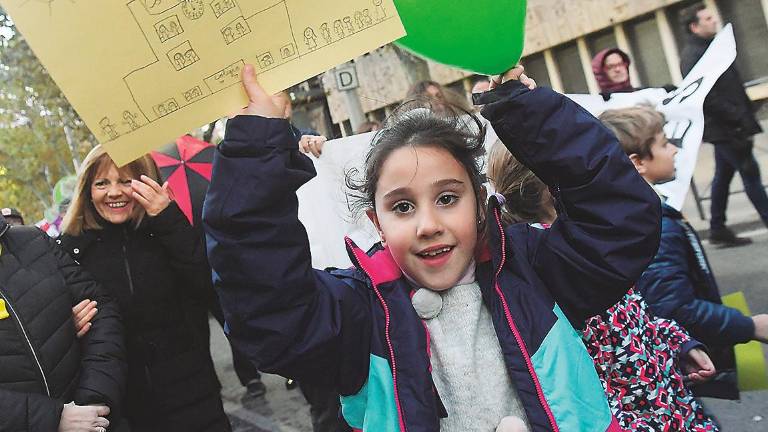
{"x":193,"y":9}
{"x":220,"y":7}
{"x":310,"y":39}
{"x":168,"y":28}
{"x":380,"y":13}
{"x":235,"y":30}
{"x":108,"y":128}
{"x":182,"y":56}
{"x":287,"y":51}
{"x":339,"y":29}
{"x":131,"y":119}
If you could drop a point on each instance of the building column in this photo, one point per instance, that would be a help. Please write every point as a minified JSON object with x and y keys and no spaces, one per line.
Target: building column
{"x":553,"y":71}
{"x":623,"y":44}
{"x":669,"y":45}
{"x":586,"y":65}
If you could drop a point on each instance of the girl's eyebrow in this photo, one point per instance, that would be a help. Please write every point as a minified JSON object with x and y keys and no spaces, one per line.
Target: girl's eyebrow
{"x":440,"y":183}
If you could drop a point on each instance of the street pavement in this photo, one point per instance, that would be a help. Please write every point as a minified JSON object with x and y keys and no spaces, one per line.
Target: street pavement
{"x":738,"y":269}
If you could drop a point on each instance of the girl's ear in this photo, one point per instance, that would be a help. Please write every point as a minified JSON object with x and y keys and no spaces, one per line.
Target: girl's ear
{"x":371,"y":213}
{"x":638,"y":163}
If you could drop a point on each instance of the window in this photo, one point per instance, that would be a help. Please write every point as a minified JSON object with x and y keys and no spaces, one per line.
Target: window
{"x":601,"y":40}
{"x":536,"y":68}
{"x":569,"y":65}
{"x":749,"y":26}
{"x":647,"y":49}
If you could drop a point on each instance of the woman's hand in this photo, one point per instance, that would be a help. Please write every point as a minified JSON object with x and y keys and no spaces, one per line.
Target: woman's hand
{"x":517,"y":74}
{"x":312,"y":144}
{"x":259,"y":102}
{"x":698,"y":366}
{"x":83,"y":313}
{"x":153,"y":197}
{"x":89,"y":418}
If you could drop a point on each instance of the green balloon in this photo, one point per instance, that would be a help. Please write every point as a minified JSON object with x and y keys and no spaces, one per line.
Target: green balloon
{"x":481,"y":36}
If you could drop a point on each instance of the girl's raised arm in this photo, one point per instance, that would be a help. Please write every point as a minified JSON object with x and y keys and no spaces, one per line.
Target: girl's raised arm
{"x":285,"y":316}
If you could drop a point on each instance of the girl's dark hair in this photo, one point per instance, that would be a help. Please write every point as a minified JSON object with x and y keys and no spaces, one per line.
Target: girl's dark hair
{"x":525,"y":195}
{"x":417,"y":124}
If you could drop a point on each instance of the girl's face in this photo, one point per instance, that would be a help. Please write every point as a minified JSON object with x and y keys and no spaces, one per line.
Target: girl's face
{"x":426,"y":213}
{"x":112,"y":195}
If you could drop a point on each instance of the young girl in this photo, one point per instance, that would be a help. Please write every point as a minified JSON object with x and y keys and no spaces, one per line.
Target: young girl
{"x":499,"y":347}
{"x":638,"y":357}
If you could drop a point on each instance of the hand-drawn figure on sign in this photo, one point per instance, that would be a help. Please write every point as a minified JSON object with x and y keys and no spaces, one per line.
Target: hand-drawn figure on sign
{"x":359,"y":20}
{"x":379,"y":13}
{"x":130,"y":120}
{"x":108,"y":128}
{"x":266,"y":60}
{"x":339,"y":29}
{"x":287,"y":51}
{"x":193,"y":9}
{"x":162,"y":32}
{"x":325,"y":32}
{"x":310,"y":38}
{"x":348,"y":25}
{"x":367,"y":20}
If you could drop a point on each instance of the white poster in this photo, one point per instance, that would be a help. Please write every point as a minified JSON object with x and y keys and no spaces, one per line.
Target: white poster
{"x":683,"y":109}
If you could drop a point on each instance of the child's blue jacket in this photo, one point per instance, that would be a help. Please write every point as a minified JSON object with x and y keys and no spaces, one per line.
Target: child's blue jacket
{"x":356,"y":329}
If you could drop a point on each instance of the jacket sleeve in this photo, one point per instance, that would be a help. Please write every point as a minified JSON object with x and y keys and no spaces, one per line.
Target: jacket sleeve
{"x":607,"y":229}
{"x":185,"y":247}
{"x":281,"y":313}
{"x":103,"y":364}
{"x":667,"y":287}
{"x":28,"y":412}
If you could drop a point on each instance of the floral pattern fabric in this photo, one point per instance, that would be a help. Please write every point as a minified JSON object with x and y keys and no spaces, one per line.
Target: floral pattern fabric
{"x":637,"y":357}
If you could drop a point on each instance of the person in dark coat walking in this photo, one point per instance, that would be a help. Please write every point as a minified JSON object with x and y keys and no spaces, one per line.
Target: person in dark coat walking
{"x":124,"y":228}
{"x":730,"y":125}
{"x":50,"y":380}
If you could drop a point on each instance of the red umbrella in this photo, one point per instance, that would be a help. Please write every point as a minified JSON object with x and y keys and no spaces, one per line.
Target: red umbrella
{"x":186,"y":166}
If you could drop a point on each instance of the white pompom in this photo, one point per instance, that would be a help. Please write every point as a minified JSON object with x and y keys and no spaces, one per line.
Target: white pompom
{"x":511,"y":424}
{"x":427,"y":303}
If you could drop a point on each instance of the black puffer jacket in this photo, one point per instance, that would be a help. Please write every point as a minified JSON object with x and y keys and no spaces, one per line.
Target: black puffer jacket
{"x":728,"y":111}
{"x":42,"y":363}
{"x":160,"y":275}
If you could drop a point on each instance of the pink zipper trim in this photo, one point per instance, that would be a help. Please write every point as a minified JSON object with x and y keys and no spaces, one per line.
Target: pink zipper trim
{"x":386,"y":335}
{"x":513,"y":327}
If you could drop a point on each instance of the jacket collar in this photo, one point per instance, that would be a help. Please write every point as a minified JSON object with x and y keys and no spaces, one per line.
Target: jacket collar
{"x":668,"y":211}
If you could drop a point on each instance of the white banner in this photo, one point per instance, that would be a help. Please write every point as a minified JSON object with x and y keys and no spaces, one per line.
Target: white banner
{"x":683,"y":109}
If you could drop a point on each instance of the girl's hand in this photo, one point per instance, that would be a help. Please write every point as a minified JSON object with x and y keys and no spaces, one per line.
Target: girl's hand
{"x":312,"y":144}
{"x":761,"y":327}
{"x":88,"y":418}
{"x":83,"y":313}
{"x":698,"y":366}
{"x":517,"y":73}
{"x":259,"y":102}
{"x":153,"y":197}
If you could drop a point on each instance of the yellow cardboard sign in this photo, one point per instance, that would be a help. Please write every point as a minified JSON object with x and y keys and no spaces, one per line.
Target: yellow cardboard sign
{"x":3,"y":310}
{"x":750,"y":360}
{"x":142,"y":72}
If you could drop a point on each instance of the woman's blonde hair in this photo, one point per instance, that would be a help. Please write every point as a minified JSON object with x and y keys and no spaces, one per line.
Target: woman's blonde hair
{"x":525,"y":195}
{"x":82,"y":215}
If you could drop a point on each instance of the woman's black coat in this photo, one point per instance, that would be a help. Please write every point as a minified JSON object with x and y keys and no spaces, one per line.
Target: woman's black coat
{"x":162,"y":280}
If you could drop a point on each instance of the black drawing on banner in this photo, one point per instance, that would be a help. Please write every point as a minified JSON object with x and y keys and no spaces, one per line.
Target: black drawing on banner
{"x":348,"y":24}
{"x":287,"y":51}
{"x":193,"y":94}
{"x":193,"y":9}
{"x":169,"y":28}
{"x":310,"y":38}
{"x":235,"y":30}
{"x":359,"y":20}
{"x":166,"y":107}
{"x":108,"y":128}
{"x":379,"y":12}
{"x":130,"y":119}
{"x":326,"y":33}
{"x":182,"y":56}
{"x":685,"y":93}
{"x":230,"y":75}
{"x":676,"y":131}
{"x":339,"y":29}
{"x":367,"y":20}
{"x":266,"y":60}
{"x":220,"y":7}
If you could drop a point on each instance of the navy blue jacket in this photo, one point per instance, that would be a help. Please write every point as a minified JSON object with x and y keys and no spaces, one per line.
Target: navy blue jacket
{"x":357,"y":330}
{"x":679,"y":285}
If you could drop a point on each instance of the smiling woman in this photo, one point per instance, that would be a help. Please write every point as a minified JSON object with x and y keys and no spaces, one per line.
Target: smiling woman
{"x":126,"y":231}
